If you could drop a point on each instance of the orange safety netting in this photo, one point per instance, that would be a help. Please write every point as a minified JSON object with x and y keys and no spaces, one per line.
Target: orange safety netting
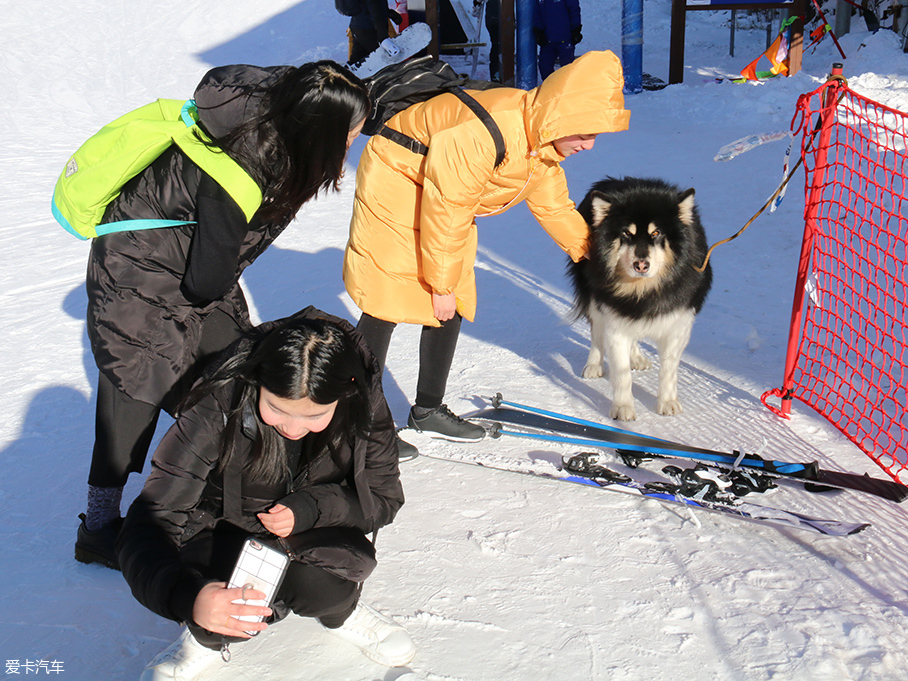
{"x":847,"y":346}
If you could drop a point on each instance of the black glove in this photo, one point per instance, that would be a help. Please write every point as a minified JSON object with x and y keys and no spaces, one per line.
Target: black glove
{"x":540,"y":36}
{"x":576,"y":35}
{"x":305,"y":510}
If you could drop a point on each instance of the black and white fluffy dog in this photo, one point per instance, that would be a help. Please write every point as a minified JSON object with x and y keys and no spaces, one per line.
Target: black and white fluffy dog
{"x":640,"y":282}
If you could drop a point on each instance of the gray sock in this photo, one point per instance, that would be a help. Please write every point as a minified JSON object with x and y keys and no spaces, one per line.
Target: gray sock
{"x":103,"y":506}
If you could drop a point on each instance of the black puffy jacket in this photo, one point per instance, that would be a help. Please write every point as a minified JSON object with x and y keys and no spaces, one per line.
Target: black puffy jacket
{"x":183,"y":494}
{"x":150,"y":290}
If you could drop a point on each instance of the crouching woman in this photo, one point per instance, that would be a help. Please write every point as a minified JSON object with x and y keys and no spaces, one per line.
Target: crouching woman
{"x":289,"y":440}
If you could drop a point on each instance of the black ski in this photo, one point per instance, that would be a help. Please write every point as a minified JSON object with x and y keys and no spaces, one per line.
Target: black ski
{"x":559,"y":427}
{"x":666,"y":493}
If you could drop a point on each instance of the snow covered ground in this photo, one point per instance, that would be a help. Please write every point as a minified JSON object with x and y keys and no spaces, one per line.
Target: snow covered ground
{"x":497,"y":576}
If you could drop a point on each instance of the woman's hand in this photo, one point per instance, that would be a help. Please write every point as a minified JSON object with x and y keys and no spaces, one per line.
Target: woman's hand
{"x":444,"y":306}
{"x":215,"y":610}
{"x":278,"y":520}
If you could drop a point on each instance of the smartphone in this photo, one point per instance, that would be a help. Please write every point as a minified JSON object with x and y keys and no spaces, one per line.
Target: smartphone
{"x":263,"y":567}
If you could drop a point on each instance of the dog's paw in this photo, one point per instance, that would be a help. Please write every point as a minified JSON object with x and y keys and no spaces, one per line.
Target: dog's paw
{"x":668,"y":407}
{"x":640,"y":363}
{"x":623,"y":412}
{"x":592,"y":371}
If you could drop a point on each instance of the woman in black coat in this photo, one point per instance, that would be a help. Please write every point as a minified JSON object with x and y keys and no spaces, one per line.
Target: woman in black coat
{"x":162,"y":300}
{"x":290,"y":441}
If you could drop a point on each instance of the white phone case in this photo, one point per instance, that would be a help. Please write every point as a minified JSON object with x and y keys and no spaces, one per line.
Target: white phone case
{"x":262,"y":567}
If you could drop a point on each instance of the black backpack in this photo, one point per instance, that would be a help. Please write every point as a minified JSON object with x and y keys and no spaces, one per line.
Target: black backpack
{"x":399,"y":86}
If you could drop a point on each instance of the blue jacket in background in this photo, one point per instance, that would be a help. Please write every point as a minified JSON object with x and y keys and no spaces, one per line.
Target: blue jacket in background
{"x":557,"y":18}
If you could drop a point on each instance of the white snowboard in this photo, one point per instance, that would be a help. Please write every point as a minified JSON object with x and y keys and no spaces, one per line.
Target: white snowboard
{"x":411,"y":40}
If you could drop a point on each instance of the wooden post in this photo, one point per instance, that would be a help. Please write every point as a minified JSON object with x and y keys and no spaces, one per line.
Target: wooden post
{"x":796,"y":47}
{"x":676,"y":43}
{"x":680,"y":9}
{"x":432,"y":20}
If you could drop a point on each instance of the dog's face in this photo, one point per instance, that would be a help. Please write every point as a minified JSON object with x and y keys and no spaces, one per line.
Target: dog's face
{"x":636,"y":237}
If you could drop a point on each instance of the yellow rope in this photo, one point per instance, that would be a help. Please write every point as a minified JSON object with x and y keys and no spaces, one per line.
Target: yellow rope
{"x":756,"y":215}
{"x":781,"y":186}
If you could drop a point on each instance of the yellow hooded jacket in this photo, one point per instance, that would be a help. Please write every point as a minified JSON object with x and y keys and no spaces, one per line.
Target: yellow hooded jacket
{"x":413,"y":231}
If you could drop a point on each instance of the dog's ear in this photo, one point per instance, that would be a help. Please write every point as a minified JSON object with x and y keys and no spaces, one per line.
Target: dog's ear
{"x":599,"y":206}
{"x":686,"y":207}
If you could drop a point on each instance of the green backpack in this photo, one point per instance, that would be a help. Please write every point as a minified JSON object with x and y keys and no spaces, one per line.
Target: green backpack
{"x":95,"y":174}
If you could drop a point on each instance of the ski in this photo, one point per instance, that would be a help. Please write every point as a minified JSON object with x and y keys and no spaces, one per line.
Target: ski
{"x":567,"y":429}
{"x":666,"y":493}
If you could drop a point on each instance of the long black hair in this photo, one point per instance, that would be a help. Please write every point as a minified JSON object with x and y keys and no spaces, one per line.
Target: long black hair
{"x":300,"y":358}
{"x":297,"y":144}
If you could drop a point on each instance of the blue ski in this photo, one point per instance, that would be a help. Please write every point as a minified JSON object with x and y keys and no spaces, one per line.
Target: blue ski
{"x":563,"y":428}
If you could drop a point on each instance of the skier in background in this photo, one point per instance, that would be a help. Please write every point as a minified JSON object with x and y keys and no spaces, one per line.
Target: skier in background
{"x":369,"y":27}
{"x":556,"y":25}
{"x":493,"y":26}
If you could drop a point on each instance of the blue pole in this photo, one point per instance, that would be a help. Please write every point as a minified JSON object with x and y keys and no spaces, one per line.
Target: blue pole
{"x":632,"y":44}
{"x":526,"y":46}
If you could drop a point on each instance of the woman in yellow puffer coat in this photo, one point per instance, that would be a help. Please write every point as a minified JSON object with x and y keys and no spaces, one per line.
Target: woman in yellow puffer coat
{"x":413,"y":237}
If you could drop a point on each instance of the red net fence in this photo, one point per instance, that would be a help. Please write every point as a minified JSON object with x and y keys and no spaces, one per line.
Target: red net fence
{"x":847,"y":344}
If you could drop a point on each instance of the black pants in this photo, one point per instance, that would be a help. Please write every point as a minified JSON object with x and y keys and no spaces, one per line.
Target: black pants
{"x":548,"y":53}
{"x":493,"y":26}
{"x":364,"y":42}
{"x":436,"y":353}
{"x":306,"y":590}
{"x":124,"y":427}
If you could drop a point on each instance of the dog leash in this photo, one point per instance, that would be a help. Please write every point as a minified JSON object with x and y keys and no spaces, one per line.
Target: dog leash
{"x":778,"y":191}
{"x":749,"y":222}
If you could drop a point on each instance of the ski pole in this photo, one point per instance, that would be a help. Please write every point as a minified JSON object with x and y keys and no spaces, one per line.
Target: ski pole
{"x":499,"y":400}
{"x":777,"y":466}
{"x":656,"y":445}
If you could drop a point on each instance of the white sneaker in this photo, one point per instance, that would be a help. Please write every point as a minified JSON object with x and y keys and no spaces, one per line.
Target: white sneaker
{"x":380,"y":638}
{"x":184,"y":660}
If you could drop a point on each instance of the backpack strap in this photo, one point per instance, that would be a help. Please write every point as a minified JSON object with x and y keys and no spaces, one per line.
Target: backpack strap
{"x":192,"y":141}
{"x":418,"y":147}
{"x":487,"y":119}
{"x":233,"y":492}
{"x":233,"y":473}
{"x":403,"y":140}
